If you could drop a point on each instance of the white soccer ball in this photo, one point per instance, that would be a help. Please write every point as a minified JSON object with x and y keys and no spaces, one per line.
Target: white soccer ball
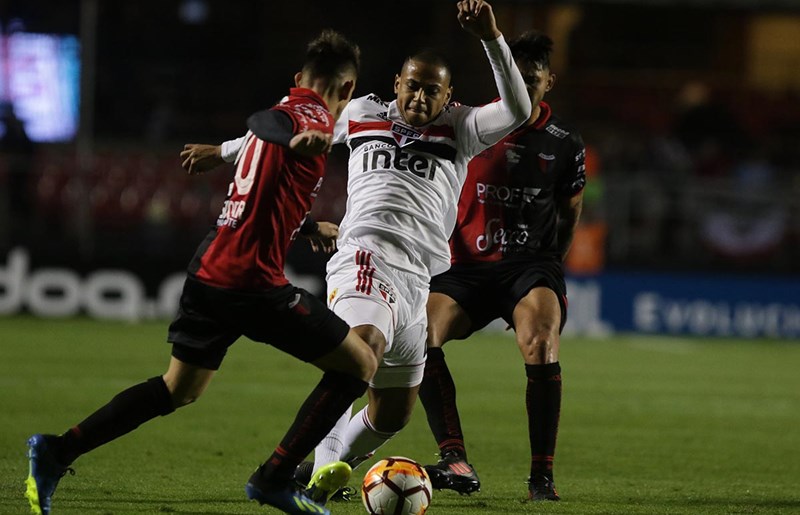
{"x":396,"y":486}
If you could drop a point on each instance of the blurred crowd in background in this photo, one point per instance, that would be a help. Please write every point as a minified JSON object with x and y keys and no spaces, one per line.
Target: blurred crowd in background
{"x":690,"y":111}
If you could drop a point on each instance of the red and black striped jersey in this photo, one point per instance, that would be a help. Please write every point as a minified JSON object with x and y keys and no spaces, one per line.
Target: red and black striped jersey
{"x":267,"y":202}
{"x":509,"y":204}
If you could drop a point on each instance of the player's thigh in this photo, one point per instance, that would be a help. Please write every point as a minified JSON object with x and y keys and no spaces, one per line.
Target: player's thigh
{"x":293,"y":321}
{"x":362,"y":294}
{"x":447,"y":320}
{"x":403,"y":363}
{"x":461,"y":301}
{"x":537,"y":320}
{"x":200,"y":333}
{"x":390,"y":409}
{"x":370,"y":317}
{"x":353,"y":356}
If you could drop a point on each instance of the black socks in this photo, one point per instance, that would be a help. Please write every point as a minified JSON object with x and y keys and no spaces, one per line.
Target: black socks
{"x":124,"y":413}
{"x":543,"y":401}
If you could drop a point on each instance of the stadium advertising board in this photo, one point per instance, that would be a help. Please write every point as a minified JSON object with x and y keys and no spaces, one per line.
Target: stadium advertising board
{"x":699,"y":305}
{"x":687,"y":304}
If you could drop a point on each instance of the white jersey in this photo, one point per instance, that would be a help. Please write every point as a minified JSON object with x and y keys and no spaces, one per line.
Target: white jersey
{"x":404,"y":182}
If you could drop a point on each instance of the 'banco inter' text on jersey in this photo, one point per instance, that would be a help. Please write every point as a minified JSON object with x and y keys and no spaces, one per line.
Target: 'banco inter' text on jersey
{"x":404,"y":181}
{"x":509,"y":203}
{"x":268,"y":200}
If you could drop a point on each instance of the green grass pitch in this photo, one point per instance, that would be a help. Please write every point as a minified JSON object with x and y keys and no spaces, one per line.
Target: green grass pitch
{"x":648,"y":425}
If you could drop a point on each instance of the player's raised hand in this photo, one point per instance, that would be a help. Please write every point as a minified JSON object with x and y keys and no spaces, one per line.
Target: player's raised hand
{"x":324,"y":240}
{"x":311,"y":143}
{"x":477,"y":17}
{"x":198,"y":158}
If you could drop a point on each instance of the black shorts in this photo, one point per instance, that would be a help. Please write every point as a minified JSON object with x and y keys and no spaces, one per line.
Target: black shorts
{"x":210,"y":319}
{"x":488,"y":291}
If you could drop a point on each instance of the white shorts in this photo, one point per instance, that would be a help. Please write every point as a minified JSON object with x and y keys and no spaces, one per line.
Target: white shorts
{"x":364,"y":291}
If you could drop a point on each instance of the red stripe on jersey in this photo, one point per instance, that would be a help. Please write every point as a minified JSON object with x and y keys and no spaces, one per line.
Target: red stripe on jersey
{"x":365,"y":272}
{"x":358,"y":274}
{"x":370,"y":273}
{"x":440,"y":131}
{"x":354,"y":127}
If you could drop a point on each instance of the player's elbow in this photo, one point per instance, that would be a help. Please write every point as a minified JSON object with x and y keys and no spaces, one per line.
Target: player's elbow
{"x":522,"y":110}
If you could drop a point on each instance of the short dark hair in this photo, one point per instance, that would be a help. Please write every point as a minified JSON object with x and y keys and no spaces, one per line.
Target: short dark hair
{"x":532,"y":48}
{"x":331,"y":54}
{"x":430,"y":56}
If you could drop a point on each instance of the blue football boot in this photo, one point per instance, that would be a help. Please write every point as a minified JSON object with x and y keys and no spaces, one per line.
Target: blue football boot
{"x":287,"y":497}
{"x":44,"y":473}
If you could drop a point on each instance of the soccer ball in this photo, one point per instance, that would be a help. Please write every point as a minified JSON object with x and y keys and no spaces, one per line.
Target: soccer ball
{"x":396,"y":486}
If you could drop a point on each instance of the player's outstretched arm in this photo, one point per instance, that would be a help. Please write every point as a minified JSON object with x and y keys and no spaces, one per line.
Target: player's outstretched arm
{"x":197,"y":158}
{"x":477,"y":17}
{"x":495,"y":120}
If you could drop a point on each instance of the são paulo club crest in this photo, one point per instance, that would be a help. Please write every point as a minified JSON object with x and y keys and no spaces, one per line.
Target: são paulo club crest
{"x":404,"y":135}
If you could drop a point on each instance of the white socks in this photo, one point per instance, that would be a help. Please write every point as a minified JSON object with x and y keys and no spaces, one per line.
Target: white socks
{"x":361,"y":439}
{"x":330,"y":448}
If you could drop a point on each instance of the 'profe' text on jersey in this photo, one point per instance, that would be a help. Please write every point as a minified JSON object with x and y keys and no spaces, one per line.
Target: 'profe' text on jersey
{"x":404,"y":181}
{"x":509,"y":205}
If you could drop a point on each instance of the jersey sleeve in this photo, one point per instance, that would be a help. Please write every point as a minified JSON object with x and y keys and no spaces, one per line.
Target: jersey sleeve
{"x":484,"y":126}
{"x":229,"y":150}
{"x":573,"y":179}
{"x":306,"y":116}
{"x":272,"y":125}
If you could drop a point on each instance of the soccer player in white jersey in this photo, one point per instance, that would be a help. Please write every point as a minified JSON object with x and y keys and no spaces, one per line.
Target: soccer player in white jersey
{"x":408,"y":162}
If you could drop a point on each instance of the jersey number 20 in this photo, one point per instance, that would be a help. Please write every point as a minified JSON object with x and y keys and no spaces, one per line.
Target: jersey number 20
{"x":244,"y":178}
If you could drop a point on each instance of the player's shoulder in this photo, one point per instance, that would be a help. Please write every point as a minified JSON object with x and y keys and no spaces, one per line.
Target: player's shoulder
{"x":453,"y":114}
{"x":375,"y":99}
{"x":563,"y":130}
{"x":369,"y":101}
{"x":306,"y":103}
{"x":306,"y":112}
{"x":455,"y":108}
{"x":367,"y":105}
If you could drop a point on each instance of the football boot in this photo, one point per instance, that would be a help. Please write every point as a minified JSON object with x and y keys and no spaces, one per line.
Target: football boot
{"x":285,"y":496}
{"x":44,"y":473}
{"x":452,"y":472}
{"x":542,"y":488}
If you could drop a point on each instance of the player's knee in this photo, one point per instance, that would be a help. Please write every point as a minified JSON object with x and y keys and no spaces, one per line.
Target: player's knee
{"x":435,"y":338}
{"x":392,"y":421}
{"x":181,"y":399}
{"x":434,"y":342}
{"x":374,"y":338}
{"x":368,"y":365}
{"x":538,"y":346}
